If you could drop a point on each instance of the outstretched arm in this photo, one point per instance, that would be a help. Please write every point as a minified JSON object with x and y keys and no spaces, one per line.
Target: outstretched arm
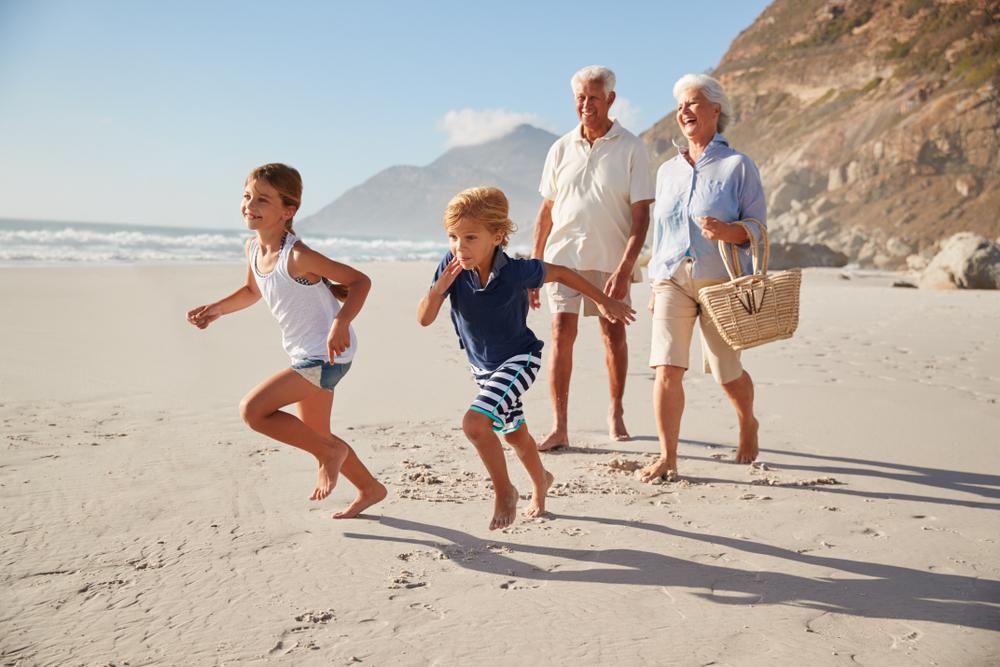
{"x":242,"y":298}
{"x":308,"y":261}
{"x":430,"y":304}
{"x":611,"y":309}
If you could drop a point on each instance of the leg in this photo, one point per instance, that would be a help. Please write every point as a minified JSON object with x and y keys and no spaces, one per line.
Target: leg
{"x":314,"y":411}
{"x":541,"y":479}
{"x":564,"y":328}
{"x":668,"y":402}
{"x":740,"y":392}
{"x":261,"y":410}
{"x":479,"y":430}
{"x":616,"y":359}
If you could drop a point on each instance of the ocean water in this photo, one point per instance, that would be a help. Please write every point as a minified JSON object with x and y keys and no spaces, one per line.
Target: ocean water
{"x":34,"y":243}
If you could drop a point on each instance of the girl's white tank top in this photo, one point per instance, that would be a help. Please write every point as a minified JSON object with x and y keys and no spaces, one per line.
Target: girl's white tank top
{"x":304,"y":312}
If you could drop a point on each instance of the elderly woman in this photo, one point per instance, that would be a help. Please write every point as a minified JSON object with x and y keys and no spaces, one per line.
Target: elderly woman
{"x":700,"y":193}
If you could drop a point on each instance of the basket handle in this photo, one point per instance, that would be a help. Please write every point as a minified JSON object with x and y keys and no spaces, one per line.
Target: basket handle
{"x":732,"y":259}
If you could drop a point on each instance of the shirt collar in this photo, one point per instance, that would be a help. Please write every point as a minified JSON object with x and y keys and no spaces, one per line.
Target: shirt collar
{"x":616,"y":130}
{"x":499,"y":261}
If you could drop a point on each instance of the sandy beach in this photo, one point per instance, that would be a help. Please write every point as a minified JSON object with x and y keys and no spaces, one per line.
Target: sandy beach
{"x":145,"y":524}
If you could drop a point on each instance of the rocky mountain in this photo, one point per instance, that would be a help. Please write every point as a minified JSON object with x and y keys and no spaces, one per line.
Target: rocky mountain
{"x":409,"y":202}
{"x":875,"y":123}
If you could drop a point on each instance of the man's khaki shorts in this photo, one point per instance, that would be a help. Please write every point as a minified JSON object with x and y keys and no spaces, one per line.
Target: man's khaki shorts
{"x":563,"y":299}
{"x":675,"y":309}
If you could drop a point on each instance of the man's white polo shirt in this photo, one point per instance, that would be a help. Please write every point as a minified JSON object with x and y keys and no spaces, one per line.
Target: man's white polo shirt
{"x":593,"y":189}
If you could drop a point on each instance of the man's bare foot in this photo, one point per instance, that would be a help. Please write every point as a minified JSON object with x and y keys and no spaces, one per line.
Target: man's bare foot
{"x":329,"y":470}
{"x":661,"y":467}
{"x":504,"y":509}
{"x":748,"y":450}
{"x":616,"y":429}
{"x":366,"y":498}
{"x":553,"y":441}
{"x":537,"y":506}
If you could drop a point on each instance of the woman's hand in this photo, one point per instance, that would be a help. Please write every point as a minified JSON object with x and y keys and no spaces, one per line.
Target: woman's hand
{"x":202,"y":316}
{"x":652,"y":302}
{"x":714,"y":229}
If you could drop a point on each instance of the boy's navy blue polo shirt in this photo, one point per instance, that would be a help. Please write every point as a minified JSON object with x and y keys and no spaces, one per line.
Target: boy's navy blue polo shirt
{"x":491,"y":321}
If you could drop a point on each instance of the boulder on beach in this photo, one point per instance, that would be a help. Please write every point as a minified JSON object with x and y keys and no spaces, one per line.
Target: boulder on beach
{"x":965,"y":261}
{"x":801,"y":255}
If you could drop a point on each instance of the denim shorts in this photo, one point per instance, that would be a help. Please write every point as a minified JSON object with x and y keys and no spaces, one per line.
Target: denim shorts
{"x":321,"y":373}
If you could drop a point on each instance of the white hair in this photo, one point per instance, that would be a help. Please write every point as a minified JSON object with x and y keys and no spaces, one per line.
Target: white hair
{"x":713,"y":91}
{"x":594,"y":73}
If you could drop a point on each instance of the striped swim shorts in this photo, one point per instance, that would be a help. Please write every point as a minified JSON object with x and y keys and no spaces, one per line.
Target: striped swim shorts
{"x":500,"y":390}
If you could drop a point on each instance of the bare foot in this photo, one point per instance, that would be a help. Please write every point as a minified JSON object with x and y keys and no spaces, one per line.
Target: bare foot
{"x":553,"y":441}
{"x":537,"y":506}
{"x":329,"y":469}
{"x":504,"y":509}
{"x":617,"y":430}
{"x":747,"y":451}
{"x":660,"y":468}
{"x":366,"y":498}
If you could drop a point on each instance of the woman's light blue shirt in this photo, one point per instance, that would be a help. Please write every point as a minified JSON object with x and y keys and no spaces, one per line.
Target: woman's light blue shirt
{"x":723,"y":184}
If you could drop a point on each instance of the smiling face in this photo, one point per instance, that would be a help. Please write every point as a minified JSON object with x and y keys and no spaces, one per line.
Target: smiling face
{"x":697,"y":117}
{"x":262,"y":207}
{"x":593,"y":105}
{"x":473,"y":244}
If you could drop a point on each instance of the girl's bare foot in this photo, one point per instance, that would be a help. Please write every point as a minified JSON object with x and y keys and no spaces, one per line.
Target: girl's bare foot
{"x":504,"y":509}
{"x":366,"y":498}
{"x":537,"y":506}
{"x":329,"y":470}
{"x":661,"y":467}
{"x":553,"y":441}
{"x":748,"y":450}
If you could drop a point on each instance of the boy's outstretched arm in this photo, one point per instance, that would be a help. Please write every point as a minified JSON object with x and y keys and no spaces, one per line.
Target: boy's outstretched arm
{"x":611,"y":309}
{"x":430,"y":304}
{"x":242,"y":298}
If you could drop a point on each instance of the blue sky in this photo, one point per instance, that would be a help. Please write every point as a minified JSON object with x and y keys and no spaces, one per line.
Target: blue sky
{"x":153,"y":112}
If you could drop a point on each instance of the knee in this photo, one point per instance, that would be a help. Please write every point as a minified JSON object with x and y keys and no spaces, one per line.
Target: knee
{"x":251,"y":413}
{"x":613,"y":334}
{"x":670,"y":376}
{"x":476,"y":426}
{"x":563,"y":333}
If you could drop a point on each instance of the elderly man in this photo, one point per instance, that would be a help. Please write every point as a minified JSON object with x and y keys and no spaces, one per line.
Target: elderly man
{"x":597,"y":188}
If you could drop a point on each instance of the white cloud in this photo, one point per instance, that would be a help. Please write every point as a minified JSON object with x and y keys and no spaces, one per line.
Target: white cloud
{"x":466,"y":127}
{"x":627,"y":114}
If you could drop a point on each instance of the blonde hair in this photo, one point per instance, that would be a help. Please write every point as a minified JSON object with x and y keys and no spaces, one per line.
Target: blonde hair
{"x":286,"y":180}
{"x":485,"y":205}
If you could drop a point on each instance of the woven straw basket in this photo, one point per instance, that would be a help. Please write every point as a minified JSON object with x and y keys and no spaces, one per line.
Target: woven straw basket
{"x":755,"y":309}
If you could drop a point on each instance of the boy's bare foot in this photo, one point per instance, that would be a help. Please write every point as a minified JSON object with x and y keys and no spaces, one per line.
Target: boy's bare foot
{"x":553,"y":441}
{"x":504,"y":509}
{"x":537,"y":506}
{"x":329,"y":470}
{"x":617,"y":430}
{"x":661,"y":467}
{"x":748,"y":450}
{"x":366,"y":498}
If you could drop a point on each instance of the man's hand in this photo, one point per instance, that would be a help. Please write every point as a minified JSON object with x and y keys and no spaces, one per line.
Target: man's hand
{"x":339,"y":339}
{"x":617,"y":285}
{"x":614,"y":310}
{"x":714,"y":229}
{"x":534,"y":298}
{"x":202,"y":316}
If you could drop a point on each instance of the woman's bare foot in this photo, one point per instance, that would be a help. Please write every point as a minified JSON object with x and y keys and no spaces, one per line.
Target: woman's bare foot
{"x":616,"y":429}
{"x":553,"y":441}
{"x":537,"y":506}
{"x":661,"y":467}
{"x":504,"y":509}
{"x":329,"y":470}
{"x":748,"y":450}
{"x":365,"y":499}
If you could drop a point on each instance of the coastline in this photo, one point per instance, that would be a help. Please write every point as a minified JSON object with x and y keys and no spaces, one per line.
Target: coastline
{"x":147,"y":524}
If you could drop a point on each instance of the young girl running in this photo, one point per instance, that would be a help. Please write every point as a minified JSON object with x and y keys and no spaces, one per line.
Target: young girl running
{"x":488,"y":291}
{"x":316,"y":331}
